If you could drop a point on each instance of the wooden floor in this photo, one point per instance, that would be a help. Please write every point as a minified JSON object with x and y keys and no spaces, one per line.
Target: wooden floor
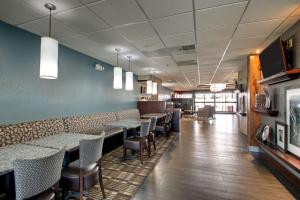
{"x":211,"y":162}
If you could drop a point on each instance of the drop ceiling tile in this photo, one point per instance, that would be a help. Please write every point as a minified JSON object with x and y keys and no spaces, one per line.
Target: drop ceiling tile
{"x":148,"y":45}
{"x":256,"y":29}
{"x":201,"y":4}
{"x":17,"y":12}
{"x":264,"y":10}
{"x":41,"y":27}
{"x":208,"y":60}
{"x":162,"y":8}
{"x":227,"y":15}
{"x":208,"y":49}
{"x":215,"y":35}
{"x":89,"y":1}
{"x":81,"y":20}
{"x":39,"y":5}
{"x":289,"y":22}
{"x":246,"y":43}
{"x":107,"y":38}
{"x":139,"y":31}
{"x":116,"y":12}
{"x":176,"y":24}
{"x":179,"y":39}
{"x":164,"y":61}
{"x":79,"y":42}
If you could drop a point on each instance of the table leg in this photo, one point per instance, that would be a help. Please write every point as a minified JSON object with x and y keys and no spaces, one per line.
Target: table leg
{"x":124,"y":134}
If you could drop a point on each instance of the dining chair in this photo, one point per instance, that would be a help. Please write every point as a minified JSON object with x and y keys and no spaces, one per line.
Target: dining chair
{"x":37,"y":179}
{"x":151,"y":136}
{"x":138,"y":143}
{"x":170,"y":121}
{"x":85,"y":173}
{"x":164,"y":126}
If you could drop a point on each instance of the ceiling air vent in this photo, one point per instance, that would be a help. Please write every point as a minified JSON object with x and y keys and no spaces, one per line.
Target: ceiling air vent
{"x":186,"y":62}
{"x":187,"y":47}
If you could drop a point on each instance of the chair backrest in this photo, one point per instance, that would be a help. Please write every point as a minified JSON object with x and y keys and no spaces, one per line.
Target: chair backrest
{"x":167,"y":117}
{"x":90,"y":151}
{"x":153,"y":123}
{"x":171,"y":116}
{"x":145,"y":127}
{"x":37,"y":175}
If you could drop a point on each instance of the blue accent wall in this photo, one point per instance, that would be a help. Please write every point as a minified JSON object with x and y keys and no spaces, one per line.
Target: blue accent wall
{"x":79,"y":89}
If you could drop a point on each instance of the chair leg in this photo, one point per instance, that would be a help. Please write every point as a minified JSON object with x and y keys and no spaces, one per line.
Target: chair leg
{"x":124,"y":153}
{"x":81,"y":185}
{"x":148,"y":149}
{"x":101,"y":180}
{"x":149,"y":143}
{"x":141,"y":150}
{"x":154,"y":145}
{"x":56,"y":191}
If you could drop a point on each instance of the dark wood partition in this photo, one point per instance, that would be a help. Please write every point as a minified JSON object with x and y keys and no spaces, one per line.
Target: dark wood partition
{"x":151,"y":106}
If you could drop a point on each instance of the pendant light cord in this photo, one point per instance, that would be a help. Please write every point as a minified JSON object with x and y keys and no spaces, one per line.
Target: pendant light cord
{"x":129,"y":64}
{"x":117,"y":58}
{"x":50,"y":21}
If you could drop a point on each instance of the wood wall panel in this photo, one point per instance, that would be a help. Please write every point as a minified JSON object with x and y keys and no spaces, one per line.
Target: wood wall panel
{"x":254,"y":75}
{"x":146,"y":107}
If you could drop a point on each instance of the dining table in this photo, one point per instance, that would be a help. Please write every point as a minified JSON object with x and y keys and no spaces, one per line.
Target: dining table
{"x":126,"y":124}
{"x":157,"y":115}
{"x":68,"y":140}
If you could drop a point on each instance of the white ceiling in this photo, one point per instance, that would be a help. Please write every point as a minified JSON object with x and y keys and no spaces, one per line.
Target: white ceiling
{"x":223,"y":31}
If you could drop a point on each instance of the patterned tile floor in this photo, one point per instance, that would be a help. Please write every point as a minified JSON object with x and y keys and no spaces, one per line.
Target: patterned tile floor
{"x":123,"y":178}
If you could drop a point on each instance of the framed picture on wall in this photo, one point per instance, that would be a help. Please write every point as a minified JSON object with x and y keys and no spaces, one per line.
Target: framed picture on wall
{"x":293,"y":120}
{"x":281,"y":136}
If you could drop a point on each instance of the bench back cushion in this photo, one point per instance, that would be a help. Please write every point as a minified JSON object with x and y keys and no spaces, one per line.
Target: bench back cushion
{"x":128,"y":114}
{"x":88,"y":124}
{"x":22,"y":132}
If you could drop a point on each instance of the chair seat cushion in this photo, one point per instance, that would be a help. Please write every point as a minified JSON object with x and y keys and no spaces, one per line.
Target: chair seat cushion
{"x":160,"y":128}
{"x":132,"y":143}
{"x":70,"y":176}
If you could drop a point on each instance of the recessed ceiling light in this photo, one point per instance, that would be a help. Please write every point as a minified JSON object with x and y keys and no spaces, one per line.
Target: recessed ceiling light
{"x":257,"y":51}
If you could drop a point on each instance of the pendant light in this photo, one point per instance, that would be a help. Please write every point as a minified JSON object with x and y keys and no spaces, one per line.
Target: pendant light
{"x":49,"y":52}
{"x":217,"y":87}
{"x":154,"y":88}
{"x":149,"y":87}
{"x":117,"y":73}
{"x":129,"y":76}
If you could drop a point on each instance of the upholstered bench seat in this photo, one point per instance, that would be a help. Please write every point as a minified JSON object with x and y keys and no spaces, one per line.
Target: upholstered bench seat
{"x":83,"y":124}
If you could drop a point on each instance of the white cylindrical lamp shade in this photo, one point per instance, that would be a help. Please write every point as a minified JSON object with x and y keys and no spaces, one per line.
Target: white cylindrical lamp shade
{"x":129,"y":81}
{"x":149,"y":87}
{"x":154,"y":88}
{"x":49,"y":58}
{"x":117,"y":78}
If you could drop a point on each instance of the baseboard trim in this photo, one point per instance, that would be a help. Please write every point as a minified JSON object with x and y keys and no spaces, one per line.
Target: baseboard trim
{"x":253,"y":149}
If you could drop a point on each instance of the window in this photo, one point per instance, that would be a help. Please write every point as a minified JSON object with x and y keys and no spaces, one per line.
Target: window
{"x":223,"y":102}
{"x":184,"y":95}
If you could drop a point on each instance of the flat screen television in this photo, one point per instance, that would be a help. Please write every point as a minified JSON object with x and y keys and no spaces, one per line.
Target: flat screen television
{"x":272,"y":59}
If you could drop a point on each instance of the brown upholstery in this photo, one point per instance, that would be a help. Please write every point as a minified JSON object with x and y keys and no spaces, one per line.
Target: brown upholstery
{"x":92,"y":124}
{"x":128,"y":114}
{"x":70,"y":177}
{"x":22,"y":132}
{"x":86,"y":124}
